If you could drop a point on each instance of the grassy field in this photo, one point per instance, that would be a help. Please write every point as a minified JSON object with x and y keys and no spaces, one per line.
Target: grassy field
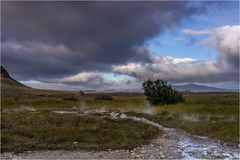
{"x":215,"y":115}
{"x":31,"y":131}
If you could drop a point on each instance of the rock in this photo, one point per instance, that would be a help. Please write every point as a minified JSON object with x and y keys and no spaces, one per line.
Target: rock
{"x":114,"y":114}
{"x":167,"y":136}
{"x":191,"y":153}
{"x":123,"y":116}
{"x":74,"y":108}
{"x":152,"y":157}
{"x":75,"y":142}
{"x":219,"y":157}
{"x":137,"y":156}
{"x":225,"y":155}
{"x":100,"y":156}
{"x":143,"y":151}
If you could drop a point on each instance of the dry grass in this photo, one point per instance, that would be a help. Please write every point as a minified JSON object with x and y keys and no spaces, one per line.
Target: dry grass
{"x":21,"y":131}
{"x":219,"y":112}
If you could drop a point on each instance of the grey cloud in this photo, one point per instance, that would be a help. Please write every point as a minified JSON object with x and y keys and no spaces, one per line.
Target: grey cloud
{"x":93,"y":35}
{"x":54,"y":42}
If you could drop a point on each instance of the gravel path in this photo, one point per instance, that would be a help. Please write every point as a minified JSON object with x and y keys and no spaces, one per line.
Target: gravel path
{"x":172,"y":144}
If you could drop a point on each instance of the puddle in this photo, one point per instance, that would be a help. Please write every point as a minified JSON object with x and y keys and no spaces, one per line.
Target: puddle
{"x":197,"y":148}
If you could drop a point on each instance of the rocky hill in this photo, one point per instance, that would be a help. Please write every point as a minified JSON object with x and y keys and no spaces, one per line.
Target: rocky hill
{"x":8,"y":81}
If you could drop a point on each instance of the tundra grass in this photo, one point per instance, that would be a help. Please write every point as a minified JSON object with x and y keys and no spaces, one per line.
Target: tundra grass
{"x":21,"y":131}
{"x":219,"y":128}
{"x":218,"y":113}
{"x":206,"y":104}
{"x":214,"y":115}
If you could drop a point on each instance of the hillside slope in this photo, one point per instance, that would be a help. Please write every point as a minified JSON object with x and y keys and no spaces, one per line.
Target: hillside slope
{"x":12,"y":90}
{"x":8,"y":82}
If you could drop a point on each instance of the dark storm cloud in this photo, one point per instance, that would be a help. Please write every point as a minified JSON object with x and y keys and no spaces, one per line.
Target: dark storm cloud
{"x":55,"y":39}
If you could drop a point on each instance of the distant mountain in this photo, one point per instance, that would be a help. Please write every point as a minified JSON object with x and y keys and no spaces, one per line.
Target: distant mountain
{"x":181,"y":88}
{"x":200,"y":88}
{"x":8,"y":81}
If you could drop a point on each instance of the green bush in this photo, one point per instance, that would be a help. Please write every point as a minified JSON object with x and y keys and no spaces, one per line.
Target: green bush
{"x":159,"y":92}
{"x":104,"y":97}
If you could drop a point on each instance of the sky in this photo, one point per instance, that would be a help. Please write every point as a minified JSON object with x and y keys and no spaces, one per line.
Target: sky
{"x":115,"y":46}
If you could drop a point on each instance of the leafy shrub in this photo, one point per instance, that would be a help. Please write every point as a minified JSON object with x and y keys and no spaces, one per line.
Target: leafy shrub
{"x":159,"y":92}
{"x":81,"y":93}
{"x":104,"y":97}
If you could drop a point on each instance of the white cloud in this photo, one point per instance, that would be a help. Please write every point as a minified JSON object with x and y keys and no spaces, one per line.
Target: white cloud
{"x":225,"y":38}
{"x":173,"y":69}
{"x":173,"y":60}
{"x":224,"y":68}
{"x":80,"y":77}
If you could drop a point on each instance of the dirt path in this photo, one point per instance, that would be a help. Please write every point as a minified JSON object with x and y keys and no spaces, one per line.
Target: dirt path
{"x":173,"y":144}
